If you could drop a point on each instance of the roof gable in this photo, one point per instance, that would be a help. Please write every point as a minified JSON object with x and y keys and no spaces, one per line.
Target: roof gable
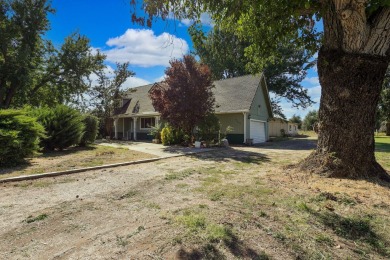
{"x":235,"y":94}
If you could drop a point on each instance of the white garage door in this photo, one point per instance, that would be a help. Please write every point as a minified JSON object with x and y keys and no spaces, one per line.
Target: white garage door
{"x":257,"y":131}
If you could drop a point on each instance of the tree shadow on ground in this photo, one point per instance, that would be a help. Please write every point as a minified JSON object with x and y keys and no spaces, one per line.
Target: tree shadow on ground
{"x":381,"y":146}
{"x":292,"y":144}
{"x":210,"y":251}
{"x":70,"y":150}
{"x":230,"y":154}
{"x":46,"y":154}
{"x":301,"y":136}
{"x":19,"y":167}
{"x":356,"y":228}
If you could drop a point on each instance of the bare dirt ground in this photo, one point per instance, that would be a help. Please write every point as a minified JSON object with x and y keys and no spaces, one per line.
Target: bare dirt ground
{"x":241,"y":203}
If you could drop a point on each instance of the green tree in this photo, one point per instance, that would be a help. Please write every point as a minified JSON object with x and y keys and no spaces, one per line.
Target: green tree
{"x":32,"y":70}
{"x":355,"y":40}
{"x":224,"y":53}
{"x":310,"y":120}
{"x":105,"y":96}
{"x":296,"y":119}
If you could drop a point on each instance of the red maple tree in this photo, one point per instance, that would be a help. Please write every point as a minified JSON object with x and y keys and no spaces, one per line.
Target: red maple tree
{"x":185,"y":97}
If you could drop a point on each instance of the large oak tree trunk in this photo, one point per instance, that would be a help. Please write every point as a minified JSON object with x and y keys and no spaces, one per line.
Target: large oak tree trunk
{"x":351,"y":85}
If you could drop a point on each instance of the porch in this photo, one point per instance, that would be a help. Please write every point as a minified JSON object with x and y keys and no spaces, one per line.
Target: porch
{"x":134,"y":127}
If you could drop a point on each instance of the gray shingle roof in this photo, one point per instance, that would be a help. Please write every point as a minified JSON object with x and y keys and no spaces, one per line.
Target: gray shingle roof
{"x":231,"y":95}
{"x":140,"y":103}
{"x":235,"y":94}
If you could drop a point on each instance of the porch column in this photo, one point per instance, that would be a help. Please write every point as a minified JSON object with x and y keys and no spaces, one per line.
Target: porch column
{"x":116,"y":128}
{"x":123,"y":128}
{"x":157,"y":118}
{"x":135,"y":128}
{"x":245,"y":122}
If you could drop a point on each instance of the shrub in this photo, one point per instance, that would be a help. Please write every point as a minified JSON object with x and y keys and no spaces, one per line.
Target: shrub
{"x":209,"y":128}
{"x":167,"y":135}
{"x":155,"y":131}
{"x":170,"y":135}
{"x":91,"y":129}
{"x":64,"y":126}
{"x":19,"y":136}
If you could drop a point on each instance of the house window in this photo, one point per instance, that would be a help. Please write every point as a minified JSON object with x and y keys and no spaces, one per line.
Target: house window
{"x":147,"y":122}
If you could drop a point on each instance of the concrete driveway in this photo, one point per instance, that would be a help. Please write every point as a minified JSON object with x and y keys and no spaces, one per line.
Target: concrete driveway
{"x":157,"y":149}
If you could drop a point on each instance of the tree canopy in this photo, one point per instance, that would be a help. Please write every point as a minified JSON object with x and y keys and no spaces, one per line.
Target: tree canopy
{"x":105,"y":95}
{"x":33,"y":71}
{"x":224,"y":53}
{"x":296,"y":119}
{"x":310,"y":120}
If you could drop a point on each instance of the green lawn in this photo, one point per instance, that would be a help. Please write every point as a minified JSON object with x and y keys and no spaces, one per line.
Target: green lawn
{"x":382,"y":146}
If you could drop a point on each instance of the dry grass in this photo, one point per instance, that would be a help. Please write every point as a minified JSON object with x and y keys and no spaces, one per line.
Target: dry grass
{"x":73,"y":158}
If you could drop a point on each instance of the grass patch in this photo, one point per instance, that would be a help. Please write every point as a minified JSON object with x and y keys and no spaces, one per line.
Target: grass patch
{"x":382,"y":143}
{"x":243,"y":192}
{"x":193,"y":222}
{"x":31,"y":219}
{"x":324,"y":239}
{"x":382,"y":153}
{"x":216,"y":233}
{"x":179,"y":175}
{"x":200,"y":229}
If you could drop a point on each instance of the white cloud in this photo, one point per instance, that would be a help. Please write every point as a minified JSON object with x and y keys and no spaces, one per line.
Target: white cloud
{"x":315,"y":93}
{"x":312,"y":80}
{"x":134,"y":82}
{"x":144,"y":48}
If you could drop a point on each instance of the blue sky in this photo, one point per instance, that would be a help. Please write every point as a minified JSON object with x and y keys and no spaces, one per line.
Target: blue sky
{"x":108,"y":25}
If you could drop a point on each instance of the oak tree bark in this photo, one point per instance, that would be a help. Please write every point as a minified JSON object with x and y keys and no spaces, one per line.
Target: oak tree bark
{"x":352,"y":65}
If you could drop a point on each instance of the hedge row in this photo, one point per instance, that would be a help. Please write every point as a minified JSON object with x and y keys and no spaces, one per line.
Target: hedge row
{"x":25,"y":132}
